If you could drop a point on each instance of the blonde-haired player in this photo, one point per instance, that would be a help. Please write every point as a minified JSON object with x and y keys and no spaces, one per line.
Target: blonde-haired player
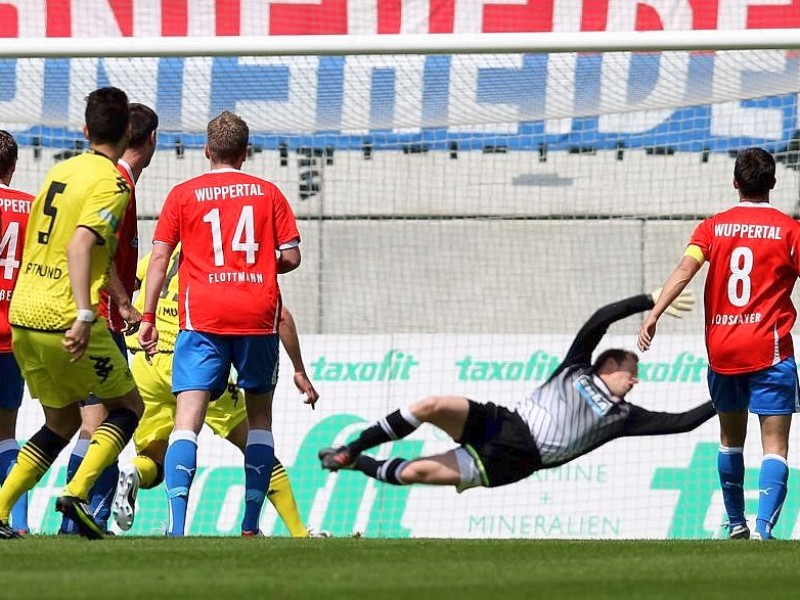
{"x":226,"y":416}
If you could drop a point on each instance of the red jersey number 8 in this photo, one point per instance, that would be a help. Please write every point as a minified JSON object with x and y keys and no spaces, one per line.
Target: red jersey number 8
{"x":739,"y":286}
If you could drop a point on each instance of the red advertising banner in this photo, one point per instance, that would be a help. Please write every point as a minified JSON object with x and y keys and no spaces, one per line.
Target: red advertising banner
{"x":95,"y":18}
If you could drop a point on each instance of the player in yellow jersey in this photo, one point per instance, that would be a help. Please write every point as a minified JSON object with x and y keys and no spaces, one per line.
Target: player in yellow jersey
{"x":64,"y":351}
{"x":226,"y":416}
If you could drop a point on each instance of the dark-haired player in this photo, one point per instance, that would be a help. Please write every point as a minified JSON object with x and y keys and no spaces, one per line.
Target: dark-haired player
{"x":116,"y":307}
{"x":63,"y":349}
{"x":579,"y":408}
{"x":753,"y":251}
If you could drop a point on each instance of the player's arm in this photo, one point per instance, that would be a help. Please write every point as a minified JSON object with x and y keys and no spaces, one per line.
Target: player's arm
{"x":645,"y":422}
{"x":687,"y":268}
{"x":288,"y":257}
{"x":119,"y":295}
{"x":287,"y":235}
{"x":287,"y":330}
{"x":589,"y":336}
{"x":100,"y":216}
{"x":79,"y":265}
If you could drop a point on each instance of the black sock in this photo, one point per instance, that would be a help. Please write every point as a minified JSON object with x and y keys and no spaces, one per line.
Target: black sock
{"x":394,"y":426}
{"x":123,"y":421}
{"x":44,"y":446}
{"x":382,"y":470}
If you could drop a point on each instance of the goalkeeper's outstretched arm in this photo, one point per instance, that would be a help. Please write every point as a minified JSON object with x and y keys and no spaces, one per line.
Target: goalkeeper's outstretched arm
{"x":645,"y":422}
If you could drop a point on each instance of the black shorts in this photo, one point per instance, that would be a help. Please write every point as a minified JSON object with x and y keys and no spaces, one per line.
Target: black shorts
{"x":501,"y":443}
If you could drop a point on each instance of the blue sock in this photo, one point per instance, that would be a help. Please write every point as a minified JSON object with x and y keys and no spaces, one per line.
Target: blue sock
{"x":102,"y":494}
{"x":68,"y":526}
{"x":180,"y":464}
{"x":259,"y":458}
{"x":771,"y":492}
{"x":730,"y":464}
{"x":8,"y":457}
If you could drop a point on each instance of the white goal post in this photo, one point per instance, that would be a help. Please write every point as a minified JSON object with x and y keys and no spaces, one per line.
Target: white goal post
{"x":338,"y":45}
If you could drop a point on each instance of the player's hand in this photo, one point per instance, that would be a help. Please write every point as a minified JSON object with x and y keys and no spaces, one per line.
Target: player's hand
{"x":132,"y":318}
{"x":148,"y":339}
{"x":76,"y":340}
{"x":682,"y":304}
{"x":647,"y":333}
{"x":306,"y":388}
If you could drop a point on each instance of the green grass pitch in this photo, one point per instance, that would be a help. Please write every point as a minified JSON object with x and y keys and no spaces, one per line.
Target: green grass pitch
{"x":221,"y":568}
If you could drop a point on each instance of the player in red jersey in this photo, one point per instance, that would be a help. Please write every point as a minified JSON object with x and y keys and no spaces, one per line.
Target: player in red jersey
{"x":15,"y":206}
{"x":115,"y":306}
{"x":753,"y":251}
{"x":237,"y":233}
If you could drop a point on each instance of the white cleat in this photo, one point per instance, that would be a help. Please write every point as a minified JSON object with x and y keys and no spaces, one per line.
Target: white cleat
{"x":124,"y":506}
{"x":321,"y":533}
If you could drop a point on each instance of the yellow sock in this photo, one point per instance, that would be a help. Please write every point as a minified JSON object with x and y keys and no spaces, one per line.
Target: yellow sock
{"x":32,"y":463}
{"x":106,"y":444}
{"x":147,"y":469}
{"x":282,"y":498}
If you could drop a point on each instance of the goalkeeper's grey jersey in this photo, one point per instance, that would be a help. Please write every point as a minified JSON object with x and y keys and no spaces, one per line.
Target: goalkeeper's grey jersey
{"x":574,"y":412}
{"x":571,"y":414}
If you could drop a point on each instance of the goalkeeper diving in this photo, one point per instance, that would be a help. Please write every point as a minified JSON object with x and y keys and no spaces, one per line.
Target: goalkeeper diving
{"x":579,"y":408}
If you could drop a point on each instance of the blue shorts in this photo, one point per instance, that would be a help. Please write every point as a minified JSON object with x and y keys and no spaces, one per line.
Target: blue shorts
{"x":203,"y":362}
{"x":12,"y":386}
{"x":771,"y":391}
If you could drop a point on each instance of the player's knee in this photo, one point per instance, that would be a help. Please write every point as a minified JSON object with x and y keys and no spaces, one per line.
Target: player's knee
{"x":426,"y":408}
{"x":775,"y":444}
{"x":66,"y":425}
{"x":133,"y":402}
{"x":416,"y":472}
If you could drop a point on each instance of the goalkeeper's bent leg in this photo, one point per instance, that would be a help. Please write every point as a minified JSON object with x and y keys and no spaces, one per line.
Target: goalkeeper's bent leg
{"x":393,"y":426}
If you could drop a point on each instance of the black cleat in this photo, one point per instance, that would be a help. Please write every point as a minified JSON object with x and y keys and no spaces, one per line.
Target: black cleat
{"x":335,"y":459}
{"x":76,"y":509}
{"x":6,"y":533}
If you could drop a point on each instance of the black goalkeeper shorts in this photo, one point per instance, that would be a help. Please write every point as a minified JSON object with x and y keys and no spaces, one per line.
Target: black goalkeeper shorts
{"x":500,"y":441}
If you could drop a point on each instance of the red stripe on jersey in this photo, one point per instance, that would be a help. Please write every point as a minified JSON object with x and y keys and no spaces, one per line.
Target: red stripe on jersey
{"x":15,"y":207}
{"x":753,"y":252}
{"x":230,"y":225}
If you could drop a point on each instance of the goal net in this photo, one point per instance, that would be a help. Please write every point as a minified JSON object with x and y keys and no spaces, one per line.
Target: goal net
{"x":462,"y":215}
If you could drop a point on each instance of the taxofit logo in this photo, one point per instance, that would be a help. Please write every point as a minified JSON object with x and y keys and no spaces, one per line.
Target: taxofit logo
{"x":686,"y":367}
{"x":395,"y":365}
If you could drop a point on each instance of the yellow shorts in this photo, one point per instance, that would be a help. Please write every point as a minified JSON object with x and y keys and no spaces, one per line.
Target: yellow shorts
{"x":155,"y":385}
{"x":56,"y":382}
